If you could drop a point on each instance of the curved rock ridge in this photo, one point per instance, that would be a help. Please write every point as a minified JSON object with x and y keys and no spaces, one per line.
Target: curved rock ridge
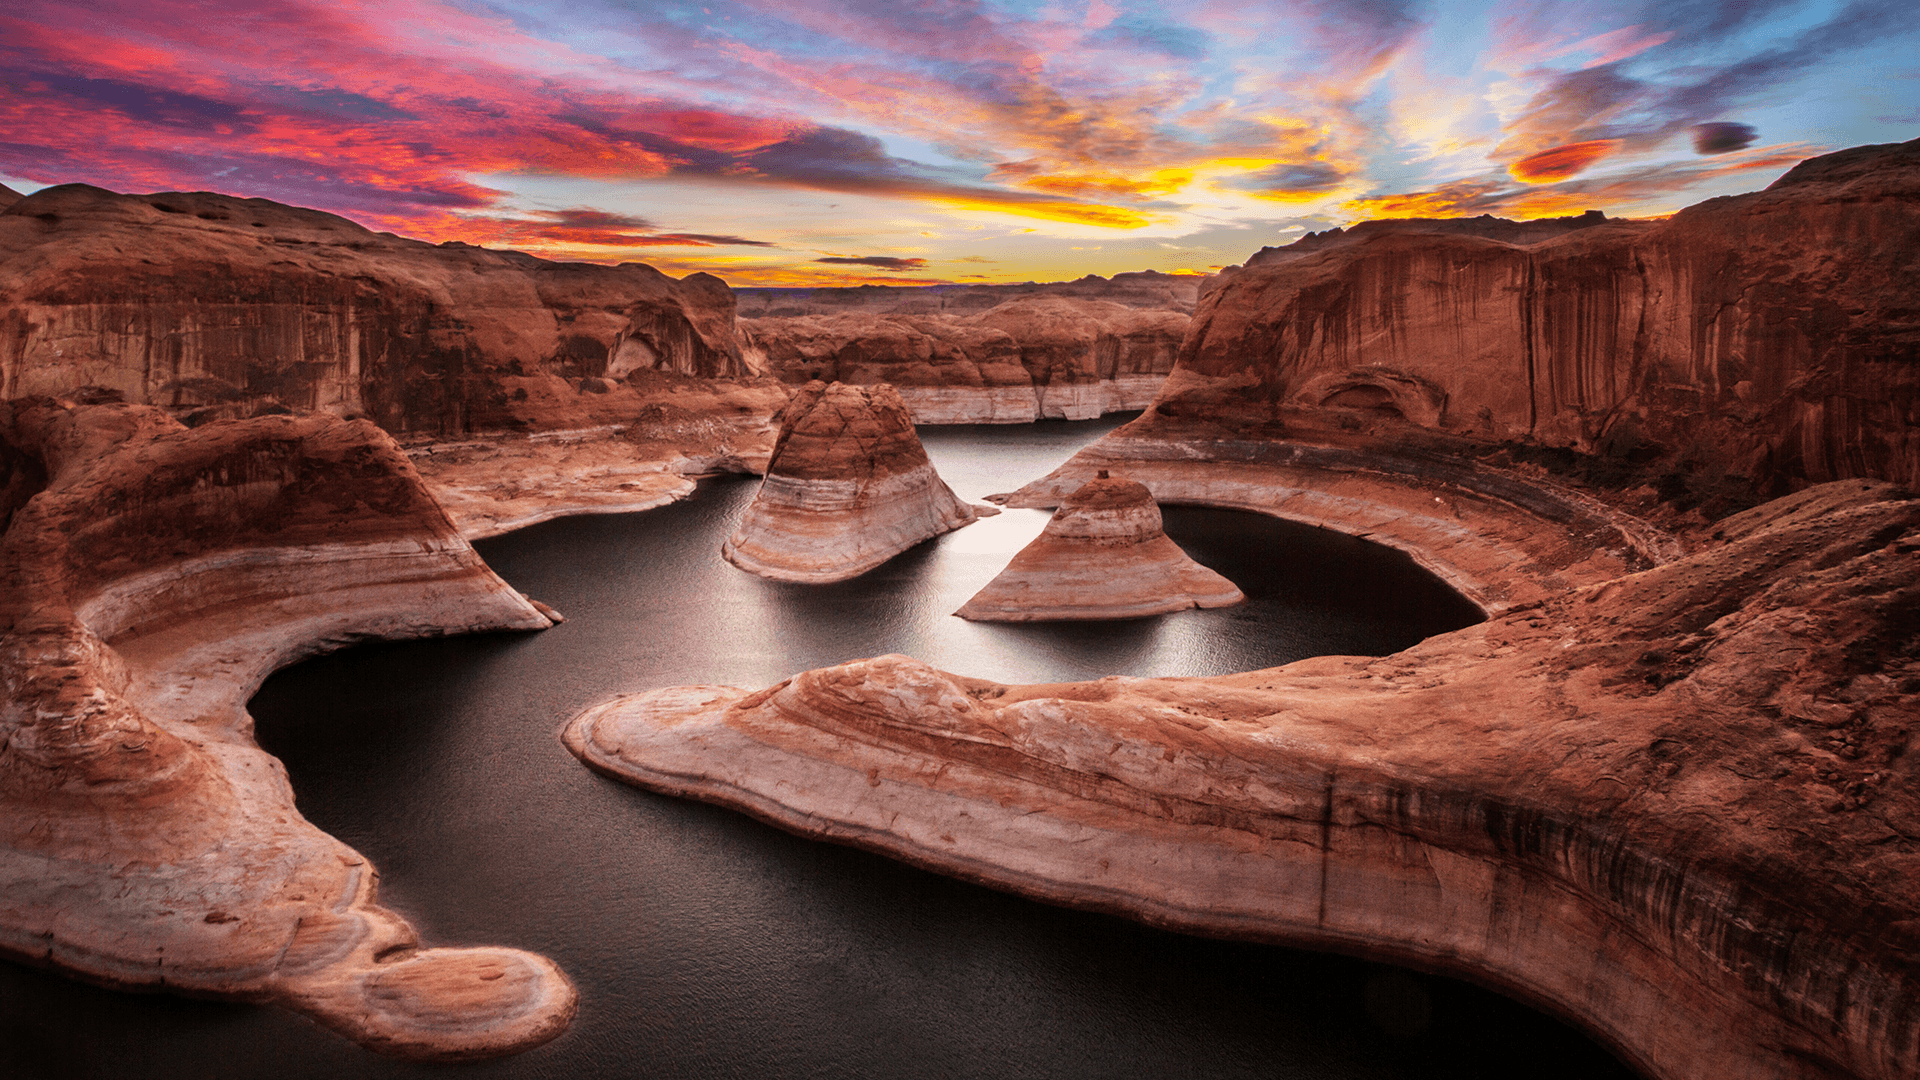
{"x":849,"y":487}
{"x":1677,"y":806}
{"x":151,"y":577}
{"x":1025,"y":359}
{"x":214,"y":306}
{"x":1501,"y":534}
{"x":1103,"y":555}
{"x":1768,"y":337}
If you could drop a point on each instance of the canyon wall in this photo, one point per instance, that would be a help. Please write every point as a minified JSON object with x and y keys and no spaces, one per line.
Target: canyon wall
{"x":1677,"y":805}
{"x":1772,"y":336}
{"x":217,"y":306}
{"x":150,"y":577}
{"x":1141,"y":289}
{"x":1024,"y":359}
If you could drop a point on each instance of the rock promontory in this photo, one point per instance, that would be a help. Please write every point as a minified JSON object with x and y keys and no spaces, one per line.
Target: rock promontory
{"x":848,"y":487}
{"x":151,"y":576}
{"x":1103,"y":555}
{"x":1678,"y":806}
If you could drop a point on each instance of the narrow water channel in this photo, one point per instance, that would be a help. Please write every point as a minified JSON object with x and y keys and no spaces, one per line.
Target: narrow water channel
{"x":705,"y":944}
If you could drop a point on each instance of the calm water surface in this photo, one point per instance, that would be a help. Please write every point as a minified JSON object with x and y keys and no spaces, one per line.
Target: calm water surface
{"x":708,"y":945}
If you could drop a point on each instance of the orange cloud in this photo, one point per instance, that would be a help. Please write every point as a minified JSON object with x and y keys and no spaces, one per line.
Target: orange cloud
{"x":1560,"y":162}
{"x":1653,"y":184}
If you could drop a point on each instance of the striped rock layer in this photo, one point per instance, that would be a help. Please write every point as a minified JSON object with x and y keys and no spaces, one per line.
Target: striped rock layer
{"x":849,"y":487}
{"x":1102,"y":556}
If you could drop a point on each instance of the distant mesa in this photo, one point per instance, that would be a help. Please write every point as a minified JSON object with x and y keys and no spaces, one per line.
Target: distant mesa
{"x":849,"y":487}
{"x":1103,"y":556}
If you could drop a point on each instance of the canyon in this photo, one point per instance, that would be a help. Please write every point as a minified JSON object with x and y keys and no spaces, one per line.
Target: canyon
{"x":1664,"y":789}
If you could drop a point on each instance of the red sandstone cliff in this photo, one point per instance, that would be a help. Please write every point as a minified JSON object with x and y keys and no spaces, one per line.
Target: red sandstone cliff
{"x":1773,"y":335}
{"x":191,"y":300}
{"x":1027,"y":358}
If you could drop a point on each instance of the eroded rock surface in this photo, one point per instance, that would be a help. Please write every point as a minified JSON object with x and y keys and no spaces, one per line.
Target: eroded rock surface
{"x":1024,"y":359}
{"x":1141,"y":289}
{"x":215,"y":306}
{"x":1677,"y":805}
{"x":1103,"y":555}
{"x":848,"y":488}
{"x":1768,"y":336}
{"x":150,"y":577}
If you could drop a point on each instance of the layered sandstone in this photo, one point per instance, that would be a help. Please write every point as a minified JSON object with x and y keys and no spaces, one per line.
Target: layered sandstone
{"x":1675,"y":805}
{"x":687,"y":428}
{"x":1024,"y":359}
{"x":1141,"y":289}
{"x":1767,"y":336}
{"x":150,"y":577}
{"x":1103,"y":555}
{"x":848,"y":488}
{"x":215,"y":306}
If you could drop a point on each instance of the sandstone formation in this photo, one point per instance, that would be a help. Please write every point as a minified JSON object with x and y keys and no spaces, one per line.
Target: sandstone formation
{"x":150,"y":577}
{"x":1022,"y":360}
{"x":8,"y":196}
{"x":1102,"y":556}
{"x":849,"y":487}
{"x":1675,"y":805}
{"x":215,"y":306}
{"x":689,"y":427}
{"x":1142,"y":289}
{"x":1769,"y":337}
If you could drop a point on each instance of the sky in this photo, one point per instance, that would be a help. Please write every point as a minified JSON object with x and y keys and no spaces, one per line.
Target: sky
{"x":841,"y":142}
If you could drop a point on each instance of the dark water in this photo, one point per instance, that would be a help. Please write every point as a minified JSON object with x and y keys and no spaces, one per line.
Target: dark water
{"x":707,"y":945}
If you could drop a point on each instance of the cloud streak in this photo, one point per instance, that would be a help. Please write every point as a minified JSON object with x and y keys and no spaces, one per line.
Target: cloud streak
{"x":701,"y":133}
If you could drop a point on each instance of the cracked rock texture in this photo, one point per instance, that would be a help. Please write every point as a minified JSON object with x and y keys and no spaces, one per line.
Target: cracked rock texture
{"x":150,"y":577}
{"x":848,"y":488}
{"x":1103,"y":555}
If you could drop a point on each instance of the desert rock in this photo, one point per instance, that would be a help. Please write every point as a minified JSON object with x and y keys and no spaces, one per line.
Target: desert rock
{"x":849,"y":487}
{"x":1767,"y":336}
{"x":1675,"y":804}
{"x":1024,"y":359}
{"x":1102,"y":556}
{"x":150,"y":577}
{"x":217,"y":306}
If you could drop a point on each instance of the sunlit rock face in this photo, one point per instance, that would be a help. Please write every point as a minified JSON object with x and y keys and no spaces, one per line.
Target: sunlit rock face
{"x":1103,"y":555}
{"x":1025,"y":359}
{"x":217,"y":306}
{"x":848,"y":488}
{"x":1676,"y":805}
{"x":1768,"y":336}
{"x":150,"y":577}
{"x":1146,"y":289}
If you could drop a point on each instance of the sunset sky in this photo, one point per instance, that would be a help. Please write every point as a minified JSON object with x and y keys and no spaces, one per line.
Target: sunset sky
{"x":846,"y":141}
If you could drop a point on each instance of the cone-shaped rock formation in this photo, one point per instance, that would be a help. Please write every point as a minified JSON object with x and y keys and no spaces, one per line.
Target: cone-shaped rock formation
{"x":1103,"y":556}
{"x":848,"y":488}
